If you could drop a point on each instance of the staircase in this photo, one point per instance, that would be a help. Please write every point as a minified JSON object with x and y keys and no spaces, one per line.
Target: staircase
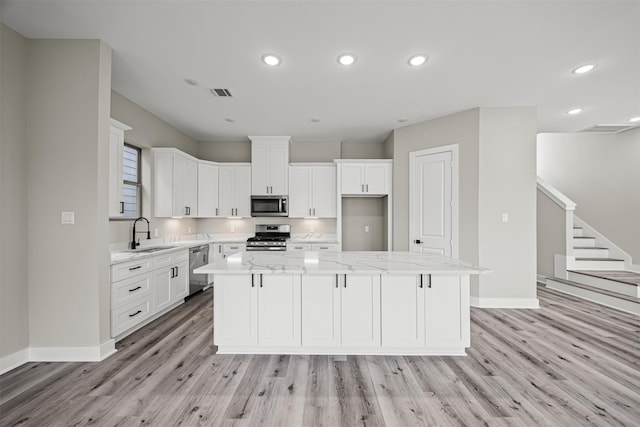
{"x":596,"y":276}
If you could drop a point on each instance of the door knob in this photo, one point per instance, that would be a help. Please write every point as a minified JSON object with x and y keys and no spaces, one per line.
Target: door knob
{"x":417,"y":242}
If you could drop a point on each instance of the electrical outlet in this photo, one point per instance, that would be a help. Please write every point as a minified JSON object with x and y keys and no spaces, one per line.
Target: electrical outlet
{"x":311,"y":229}
{"x":156,"y":232}
{"x":505,"y":217}
{"x":233,"y":229}
{"x":366,"y":228}
{"x":189,"y":230}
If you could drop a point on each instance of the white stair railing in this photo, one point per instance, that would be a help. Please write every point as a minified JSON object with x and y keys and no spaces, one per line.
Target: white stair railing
{"x":567,"y":205}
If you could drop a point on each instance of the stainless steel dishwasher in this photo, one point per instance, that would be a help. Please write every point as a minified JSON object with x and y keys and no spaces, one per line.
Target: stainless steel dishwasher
{"x":198,"y":256}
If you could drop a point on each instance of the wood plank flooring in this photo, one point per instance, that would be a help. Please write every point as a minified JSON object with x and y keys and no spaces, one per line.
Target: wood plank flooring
{"x":570,"y":363}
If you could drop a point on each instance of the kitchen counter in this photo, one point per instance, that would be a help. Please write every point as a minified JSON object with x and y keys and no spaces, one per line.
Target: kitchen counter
{"x":339,"y":263}
{"x":378,"y":303}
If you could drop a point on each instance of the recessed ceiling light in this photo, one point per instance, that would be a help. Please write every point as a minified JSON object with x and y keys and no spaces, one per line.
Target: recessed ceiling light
{"x":271,"y":59}
{"x":584,"y":69}
{"x":230,"y":120}
{"x":191,"y":82}
{"x":347,"y":59}
{"x":634,"y":119}
{"x":418,"y":60}
{"x":575,"y":111}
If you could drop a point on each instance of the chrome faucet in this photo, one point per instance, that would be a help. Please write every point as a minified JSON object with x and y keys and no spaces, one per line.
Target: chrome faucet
{"x":133,"y":240}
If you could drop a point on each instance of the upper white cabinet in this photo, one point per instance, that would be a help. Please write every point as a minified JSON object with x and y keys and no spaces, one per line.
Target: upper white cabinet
{"x":270,"y":165}
{"x":234,"y":184}
{"x":312,"y":191}
{"x":175,"y":184}
{"x":371,"y":177}
{"x":208,"y":190}
{"x":116,"y":145}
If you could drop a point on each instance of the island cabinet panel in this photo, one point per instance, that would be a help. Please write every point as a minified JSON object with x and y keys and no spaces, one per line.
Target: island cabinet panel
{"x":447,"y":311}
{"x":321,"y":310}
{"x":403,"y":311}
{"x":279,"y":309}
{"x":235,"y":310}
{"x":360,"y":310}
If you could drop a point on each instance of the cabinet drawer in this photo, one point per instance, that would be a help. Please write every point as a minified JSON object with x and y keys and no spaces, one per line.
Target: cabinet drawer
{"x":234,"y":247}
{"x":298,"y":246}
{"x":170,"y":259}
{"x":330,"y":247}
{"x":126,"y":291}
{"x":130,"y":268}
{"x":128,"y":316}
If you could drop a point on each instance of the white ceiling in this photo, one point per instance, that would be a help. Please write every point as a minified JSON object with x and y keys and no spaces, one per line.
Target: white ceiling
{"x":517,"y":53}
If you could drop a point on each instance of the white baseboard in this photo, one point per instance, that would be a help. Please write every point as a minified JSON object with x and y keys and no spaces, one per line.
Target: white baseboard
{"x":13,"y":360}
{"x":57,"y":354}
{"x":505,"y":302}
{"x":541,"y":278}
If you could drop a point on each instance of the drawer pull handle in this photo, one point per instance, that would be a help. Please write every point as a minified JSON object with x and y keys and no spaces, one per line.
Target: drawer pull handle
{"x":135,"y":314}
{"x":324,"y":247}
{"x":135,"y":289}
{"x":135,"y":268}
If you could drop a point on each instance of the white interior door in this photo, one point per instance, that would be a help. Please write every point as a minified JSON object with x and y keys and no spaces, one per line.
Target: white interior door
{"x":433,"y":201}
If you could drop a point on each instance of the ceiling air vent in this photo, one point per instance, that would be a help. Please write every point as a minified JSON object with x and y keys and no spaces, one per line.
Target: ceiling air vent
{"x":608,"y":128}
{"x":221,"y":92}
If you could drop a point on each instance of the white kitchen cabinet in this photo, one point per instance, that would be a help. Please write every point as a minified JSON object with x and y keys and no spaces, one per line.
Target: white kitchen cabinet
{"x":116,"y":146}
{"x":234,"y":186}
{"x":403,"y":311}
{"x":269,"y":166}
{"x":215,"y":254}
{"x":128,"y":316}
{"x":125,"y":291}
{"x":207,"y":190}
{"x":279,"y":309}
{"x":360,"y":310}
{"x":232,"y":248}
{"x":312,"y":191}
{"x":175,"y":184}
{"x":365,"y":178}
{"x":324,"y":247}
{"x":293,"y":247}
{"x":171,"y":279}
{"x":447,"y":311}
{"x":321,"y":310}
{"x":235,"y":310}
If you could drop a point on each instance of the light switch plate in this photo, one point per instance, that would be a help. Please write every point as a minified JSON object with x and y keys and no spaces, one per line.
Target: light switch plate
{"x":156,"y":232}
{"x":68,"y":218}
{"x":366,"y":228}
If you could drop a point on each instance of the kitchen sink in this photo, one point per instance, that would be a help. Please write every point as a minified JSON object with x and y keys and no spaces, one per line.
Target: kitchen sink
{"x":150,"y":250}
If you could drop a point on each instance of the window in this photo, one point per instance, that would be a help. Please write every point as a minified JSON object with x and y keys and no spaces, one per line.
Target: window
{"x":131,"y":182}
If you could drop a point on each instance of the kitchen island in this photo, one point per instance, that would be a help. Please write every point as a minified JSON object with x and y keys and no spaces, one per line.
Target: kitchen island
{"x":392,"y":303}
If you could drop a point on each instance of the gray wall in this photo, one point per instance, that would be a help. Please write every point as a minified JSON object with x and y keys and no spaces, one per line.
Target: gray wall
{"x":149,"y":131}
{"x":68,"y":113}
{"x":507,"y":184}
{"x":496,"y":175}
{"x":551,"y":231}
{"x":601,"y":174}
{"x":362,"y":150}
{"x":358,"y":212}
{"x":248,"y":225}
{"x":227,"y":151}
{"x":14,"y":309}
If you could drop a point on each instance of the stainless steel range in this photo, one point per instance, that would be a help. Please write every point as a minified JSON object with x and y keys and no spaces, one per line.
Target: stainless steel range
{"x":269,"y":237}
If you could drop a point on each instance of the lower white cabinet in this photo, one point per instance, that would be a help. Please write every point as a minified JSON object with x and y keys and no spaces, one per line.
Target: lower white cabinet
{"x":324,"y":247}
{"x":341,"y":314}
{"x":447,"y":311}
{"x":257,"y":309}
{"x":321,"y":310}
{"x":142,"y":289}
{"x":360,"y":310}
{"x":403,"y":316}
{"x":296,"y":247}
{"x":278,"y":309}
{"x":235,"y":310}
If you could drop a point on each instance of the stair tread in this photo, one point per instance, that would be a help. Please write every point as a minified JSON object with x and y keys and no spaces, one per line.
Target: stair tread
{"x":596,"y":290}
{"x":583,"y":237}
{"x":577,"y":228}
{"x":620,"y":276}
{"x":598,"y":259}
{"x":589,"y":247}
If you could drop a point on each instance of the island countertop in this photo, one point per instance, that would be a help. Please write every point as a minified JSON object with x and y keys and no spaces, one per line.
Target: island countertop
{"x":339,"y":263}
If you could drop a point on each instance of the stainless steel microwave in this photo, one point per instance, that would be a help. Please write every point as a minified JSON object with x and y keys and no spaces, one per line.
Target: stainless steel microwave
{"x":269,"y":206}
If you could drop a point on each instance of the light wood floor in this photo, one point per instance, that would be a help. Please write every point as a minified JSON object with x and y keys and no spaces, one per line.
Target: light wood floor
{"x":571,"y":363}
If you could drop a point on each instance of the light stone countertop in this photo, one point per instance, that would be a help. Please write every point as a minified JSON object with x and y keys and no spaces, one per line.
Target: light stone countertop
{"x":340,"y":263}
{"x":313,"y":238}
